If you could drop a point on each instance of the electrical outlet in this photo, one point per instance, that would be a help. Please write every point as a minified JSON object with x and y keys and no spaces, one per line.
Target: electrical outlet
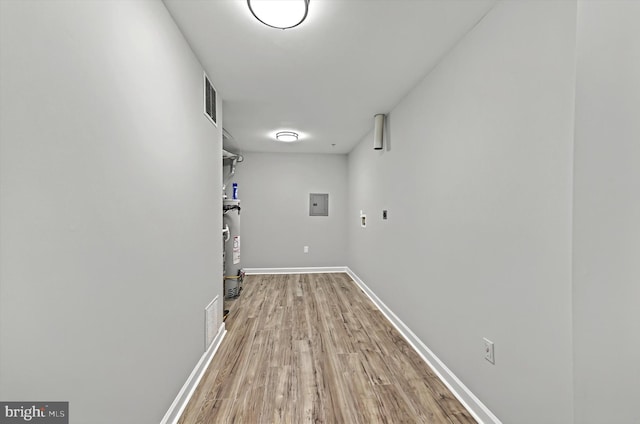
{"x":385,"y":214}
{"x":306,"y":249}
{"x":488,"y":351}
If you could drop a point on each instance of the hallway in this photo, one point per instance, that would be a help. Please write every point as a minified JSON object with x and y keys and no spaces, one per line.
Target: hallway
{"x":502,"y":209}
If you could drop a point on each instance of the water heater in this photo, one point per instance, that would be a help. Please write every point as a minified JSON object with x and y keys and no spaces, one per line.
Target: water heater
{"x":232,"y":263}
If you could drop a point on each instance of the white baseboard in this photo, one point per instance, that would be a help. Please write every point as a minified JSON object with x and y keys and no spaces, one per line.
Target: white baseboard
{"x":475,"y":407}
{"x":184,"y":395}
{"x":300,"y":270}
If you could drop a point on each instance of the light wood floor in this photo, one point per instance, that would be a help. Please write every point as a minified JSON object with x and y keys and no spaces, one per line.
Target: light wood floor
{"x":314,"y":348}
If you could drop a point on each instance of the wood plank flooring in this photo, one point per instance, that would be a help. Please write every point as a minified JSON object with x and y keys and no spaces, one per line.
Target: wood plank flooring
{"x":312,"y":348}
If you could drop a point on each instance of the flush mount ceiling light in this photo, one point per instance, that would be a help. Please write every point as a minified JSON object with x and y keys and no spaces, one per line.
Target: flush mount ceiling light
{"x":287,"y":136}
{"x":281,"y":14}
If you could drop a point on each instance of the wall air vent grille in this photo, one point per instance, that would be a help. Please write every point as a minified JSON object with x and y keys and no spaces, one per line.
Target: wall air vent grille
{"x":210,"y":101}
{"x":212,"y":324}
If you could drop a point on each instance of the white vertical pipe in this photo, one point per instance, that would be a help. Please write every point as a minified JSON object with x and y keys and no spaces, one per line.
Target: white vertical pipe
{"x":378,"y":131}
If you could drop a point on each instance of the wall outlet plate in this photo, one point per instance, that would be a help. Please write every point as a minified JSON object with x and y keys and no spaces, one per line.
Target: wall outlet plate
{"x":385,"y":214}
{"x":306,"y":249}
{"x":488,"y":351}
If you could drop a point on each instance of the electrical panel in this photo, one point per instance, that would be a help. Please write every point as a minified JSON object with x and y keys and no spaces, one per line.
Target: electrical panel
{"x":318,"y":204}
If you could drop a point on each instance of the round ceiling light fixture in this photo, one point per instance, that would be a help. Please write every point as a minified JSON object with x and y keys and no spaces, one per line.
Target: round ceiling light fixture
{"x":287,"y":136}
{"x":280,"y":14}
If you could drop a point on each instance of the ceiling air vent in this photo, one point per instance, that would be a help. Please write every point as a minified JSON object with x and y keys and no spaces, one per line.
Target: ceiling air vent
{"x":210,"y":101}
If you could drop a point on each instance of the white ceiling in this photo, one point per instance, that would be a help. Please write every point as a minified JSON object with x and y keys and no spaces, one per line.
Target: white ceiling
{"x":326,"y":78}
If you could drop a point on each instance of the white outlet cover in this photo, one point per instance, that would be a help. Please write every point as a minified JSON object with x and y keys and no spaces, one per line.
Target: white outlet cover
{"x":488,"y":351}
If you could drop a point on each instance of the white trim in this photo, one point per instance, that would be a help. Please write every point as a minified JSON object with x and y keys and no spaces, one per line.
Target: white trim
{"x":184,"y":395}
{"x":475,"y":407}
{"x":301,"y":270}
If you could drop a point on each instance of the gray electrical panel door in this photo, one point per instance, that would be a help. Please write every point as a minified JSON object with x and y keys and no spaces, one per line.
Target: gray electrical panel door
{"x":318,"y":204}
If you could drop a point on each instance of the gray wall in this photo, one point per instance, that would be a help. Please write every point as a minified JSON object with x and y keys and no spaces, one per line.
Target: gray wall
{"x":275,"y":223}
{"x":607,"y":211}
{"x":110,"y":217}
{"x":478,"y":183}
